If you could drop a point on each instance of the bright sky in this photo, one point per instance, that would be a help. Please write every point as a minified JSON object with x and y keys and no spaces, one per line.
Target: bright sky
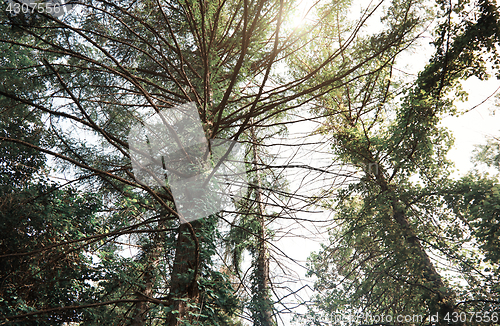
{"x":474,"y":127}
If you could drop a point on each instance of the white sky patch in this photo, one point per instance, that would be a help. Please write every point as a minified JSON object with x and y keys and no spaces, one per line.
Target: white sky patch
{"x":474,"y":127}
{"x":302,"y":13}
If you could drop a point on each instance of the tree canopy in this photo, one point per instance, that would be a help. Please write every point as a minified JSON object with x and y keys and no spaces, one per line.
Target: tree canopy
{"x":86,"y":241}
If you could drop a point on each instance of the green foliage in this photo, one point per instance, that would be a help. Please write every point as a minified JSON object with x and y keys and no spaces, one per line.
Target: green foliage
{"x":380,"y":258}
{"x":476,"y":199}
{"x":75,"y":86}
{"x":36,"y":271}
{"x":488,"y":154}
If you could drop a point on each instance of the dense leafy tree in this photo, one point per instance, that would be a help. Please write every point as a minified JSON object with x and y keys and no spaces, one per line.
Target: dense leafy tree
{"x":393,"y":234}
{"x":37,"y":271}
{"x":117,"y":61}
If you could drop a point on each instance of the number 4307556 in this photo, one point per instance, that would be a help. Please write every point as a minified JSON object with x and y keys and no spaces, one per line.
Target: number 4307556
{"x":16,"y":8}
{"x":477,"y":317}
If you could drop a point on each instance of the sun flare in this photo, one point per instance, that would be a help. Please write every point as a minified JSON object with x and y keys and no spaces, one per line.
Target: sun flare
{"x":301,"y":13}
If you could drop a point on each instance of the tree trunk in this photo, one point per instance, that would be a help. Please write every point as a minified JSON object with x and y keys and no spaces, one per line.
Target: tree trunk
{"x":264,"y":314}
{"x":152,"y":257}
{"x":141,"y":308}
{"x":184,"y":293}
{"x":442,"y":296}
{"x":262,"y":275}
